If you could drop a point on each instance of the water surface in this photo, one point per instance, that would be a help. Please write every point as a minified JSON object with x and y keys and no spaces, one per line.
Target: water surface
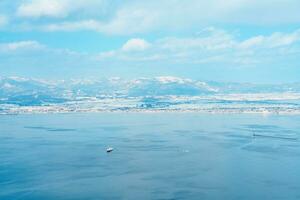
{"x":156,"y":156}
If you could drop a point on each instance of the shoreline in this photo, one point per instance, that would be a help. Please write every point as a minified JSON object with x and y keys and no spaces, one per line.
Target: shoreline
{"x":200,"y":111}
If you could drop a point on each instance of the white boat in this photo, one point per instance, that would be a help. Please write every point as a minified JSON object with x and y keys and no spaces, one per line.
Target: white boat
{"x":109,"y":149}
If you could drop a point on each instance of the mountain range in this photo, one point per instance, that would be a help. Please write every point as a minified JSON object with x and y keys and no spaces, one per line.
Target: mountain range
{"x":26,"y":91}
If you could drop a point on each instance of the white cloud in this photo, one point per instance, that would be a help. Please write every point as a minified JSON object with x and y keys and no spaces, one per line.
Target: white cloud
{"x":252,"y":42}
{"x":154,"y":15}
{"x":131,"y":16}
{"x":21,"y":45}
{"x":124,"y":22}
{"x":136,"y":44}
{"x":56,"y":8}
{"x":73,"y":26}
{"x":39,"y":8}
{"x":272,"y":41}
{"x":3,"y":20}
{"x":131,"y":20}
{"x":208,"y":39}
{"x":32,"y":57}
{"x":282,"y":39}
{"x":209,"y":46}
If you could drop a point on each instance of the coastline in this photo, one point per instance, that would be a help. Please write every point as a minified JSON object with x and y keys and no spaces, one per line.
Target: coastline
{"x":42,"y":110}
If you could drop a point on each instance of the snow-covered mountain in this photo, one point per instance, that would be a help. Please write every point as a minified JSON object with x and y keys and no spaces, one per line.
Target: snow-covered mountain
{"x":22,"y":91}
{"x":113,"y":86}
{"x":162,"y":86}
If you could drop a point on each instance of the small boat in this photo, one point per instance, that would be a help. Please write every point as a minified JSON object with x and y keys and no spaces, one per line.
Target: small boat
{"x":109,"y":149}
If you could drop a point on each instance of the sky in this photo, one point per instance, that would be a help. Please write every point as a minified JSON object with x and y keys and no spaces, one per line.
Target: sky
{"x":234,"y":40}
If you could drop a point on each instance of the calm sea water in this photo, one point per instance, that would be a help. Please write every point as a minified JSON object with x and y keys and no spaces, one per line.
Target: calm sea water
{"x":156,"y":156}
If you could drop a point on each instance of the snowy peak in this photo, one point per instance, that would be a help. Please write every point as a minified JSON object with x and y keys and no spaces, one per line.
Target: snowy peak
{"x":157,"y":86}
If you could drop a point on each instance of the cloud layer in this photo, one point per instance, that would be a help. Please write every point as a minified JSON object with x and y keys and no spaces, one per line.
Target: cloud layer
{"x":209,"y":46}
{"x":159,"y":37}
{"x":56,"y":8}
{"x":132,"y":16}
{"x":20,"y":46}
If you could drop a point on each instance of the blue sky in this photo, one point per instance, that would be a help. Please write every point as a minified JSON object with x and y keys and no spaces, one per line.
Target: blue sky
{"x":233,"y":40}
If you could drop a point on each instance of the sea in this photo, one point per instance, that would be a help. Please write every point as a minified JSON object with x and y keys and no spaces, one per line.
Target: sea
{"x":163,"y":156}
